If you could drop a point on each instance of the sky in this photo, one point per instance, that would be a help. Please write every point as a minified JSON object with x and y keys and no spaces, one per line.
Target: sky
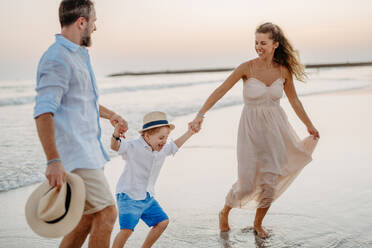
{"x":186,"y":34}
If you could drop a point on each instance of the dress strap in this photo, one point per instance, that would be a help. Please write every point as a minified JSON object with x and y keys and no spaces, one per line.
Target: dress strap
{"x":281,"y":74}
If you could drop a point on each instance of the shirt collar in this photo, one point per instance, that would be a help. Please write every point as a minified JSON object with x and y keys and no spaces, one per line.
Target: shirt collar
{"x":67,"y":43}
{"x":144,"y":143}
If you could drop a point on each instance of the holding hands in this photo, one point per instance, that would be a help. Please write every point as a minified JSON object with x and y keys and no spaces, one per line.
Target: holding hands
{"x":191,"y":130}
{"x":121,"y":126}
{"x":115,"y":138}
{"x":197,"y":122}
{"x":117,"y":130}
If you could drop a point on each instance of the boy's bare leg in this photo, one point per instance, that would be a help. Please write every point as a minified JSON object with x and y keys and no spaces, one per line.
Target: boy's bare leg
{"x":102,"y":225}
{"x":121,"y":238}
{"x":77,"y":236}
{"x":155,"y":233}
{"x":224,"y":219}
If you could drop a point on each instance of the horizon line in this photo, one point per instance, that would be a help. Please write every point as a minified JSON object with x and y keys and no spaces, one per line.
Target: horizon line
{"x":145,"y":73}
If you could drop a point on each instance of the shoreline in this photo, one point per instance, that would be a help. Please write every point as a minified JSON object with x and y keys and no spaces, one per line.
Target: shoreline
{"x":342,"y":92}
{"x":308,"y":66}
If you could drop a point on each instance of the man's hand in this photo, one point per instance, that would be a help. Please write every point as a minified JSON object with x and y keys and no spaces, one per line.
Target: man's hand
{"x":56,"y":174}
{"x":118,"y":120}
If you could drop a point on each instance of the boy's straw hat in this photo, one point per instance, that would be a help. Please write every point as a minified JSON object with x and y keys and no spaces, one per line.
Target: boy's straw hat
{"x":155,"y":119}
{"x":51,"y":213}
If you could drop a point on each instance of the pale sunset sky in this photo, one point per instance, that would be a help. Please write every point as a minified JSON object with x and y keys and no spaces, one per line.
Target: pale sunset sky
{"x":142,"y":35}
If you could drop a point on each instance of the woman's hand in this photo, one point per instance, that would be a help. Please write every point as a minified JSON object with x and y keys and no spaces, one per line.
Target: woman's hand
{"x":196,"y":123}
{"x":312,"y":131}
{"x":190,"y":129}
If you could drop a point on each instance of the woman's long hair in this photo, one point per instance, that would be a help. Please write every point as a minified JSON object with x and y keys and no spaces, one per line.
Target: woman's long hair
{"x":284,"y":54}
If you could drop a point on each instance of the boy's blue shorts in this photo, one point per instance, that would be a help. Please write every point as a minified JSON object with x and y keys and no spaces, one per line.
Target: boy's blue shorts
{"x":130,"y":211}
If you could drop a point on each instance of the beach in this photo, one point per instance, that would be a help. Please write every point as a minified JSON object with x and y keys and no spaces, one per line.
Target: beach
{"x":328,"y":205}
{"x":91,"y":63}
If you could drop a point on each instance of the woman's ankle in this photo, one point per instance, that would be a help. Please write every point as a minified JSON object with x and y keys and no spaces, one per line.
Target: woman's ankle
{"x":225,"y":210}
{"x":257,"y":223}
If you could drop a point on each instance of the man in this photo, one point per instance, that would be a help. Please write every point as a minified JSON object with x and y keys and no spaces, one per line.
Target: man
{"x":67,"y":119}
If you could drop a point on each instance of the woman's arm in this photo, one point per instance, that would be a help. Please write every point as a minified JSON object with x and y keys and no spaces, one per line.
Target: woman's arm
{"x":218,"y":93}
{"x":296,"y":104}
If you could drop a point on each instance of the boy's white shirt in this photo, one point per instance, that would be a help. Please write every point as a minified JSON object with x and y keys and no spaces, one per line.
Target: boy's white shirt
{"x":142,"y":167}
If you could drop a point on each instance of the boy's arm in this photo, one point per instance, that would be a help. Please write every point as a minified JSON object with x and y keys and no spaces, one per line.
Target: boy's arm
{"x":115,"y":138}
{"x":181,"y":140}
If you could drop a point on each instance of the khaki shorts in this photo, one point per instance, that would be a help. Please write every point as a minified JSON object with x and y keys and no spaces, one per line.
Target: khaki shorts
{"x":97,"y":190}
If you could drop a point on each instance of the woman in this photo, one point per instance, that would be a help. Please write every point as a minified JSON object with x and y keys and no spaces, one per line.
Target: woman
{"x":269,"y":153}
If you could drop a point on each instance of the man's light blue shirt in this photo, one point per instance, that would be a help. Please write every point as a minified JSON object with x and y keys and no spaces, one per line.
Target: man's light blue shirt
{"x":66,"y":87}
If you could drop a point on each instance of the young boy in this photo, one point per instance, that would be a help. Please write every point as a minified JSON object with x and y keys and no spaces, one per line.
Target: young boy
{"x":135,"y":189}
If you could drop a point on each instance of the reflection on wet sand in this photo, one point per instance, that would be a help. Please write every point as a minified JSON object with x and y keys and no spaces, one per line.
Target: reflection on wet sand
{"x":260,"y":243}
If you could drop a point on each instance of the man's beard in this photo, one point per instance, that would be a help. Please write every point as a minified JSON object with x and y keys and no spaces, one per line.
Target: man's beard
{"x":85,"y":39}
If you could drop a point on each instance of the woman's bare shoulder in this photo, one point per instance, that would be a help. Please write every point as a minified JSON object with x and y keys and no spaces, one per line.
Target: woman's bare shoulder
{"x":285,"y":72}
{"x":246,"y":67}
{"x":248,"y":63}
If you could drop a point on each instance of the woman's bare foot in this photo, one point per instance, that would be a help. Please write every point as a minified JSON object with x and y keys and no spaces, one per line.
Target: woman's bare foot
{"x":258,"y":230}
{"x":224,"y":221}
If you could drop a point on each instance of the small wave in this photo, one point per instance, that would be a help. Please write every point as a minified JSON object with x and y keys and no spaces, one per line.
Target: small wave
{"x":21,"y":180}
{"x":28,"y":99}
{"x":154,"y":87}
{"x":16,"y":101}
{"x":105,"y":91}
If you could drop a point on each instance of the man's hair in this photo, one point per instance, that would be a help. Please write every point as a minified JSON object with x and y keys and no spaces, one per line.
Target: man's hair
{"x":71,"y":10}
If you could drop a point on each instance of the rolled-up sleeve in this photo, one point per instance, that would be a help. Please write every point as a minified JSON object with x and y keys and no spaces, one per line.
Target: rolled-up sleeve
{"x":52,"y":83}
{"x":170,"y":149}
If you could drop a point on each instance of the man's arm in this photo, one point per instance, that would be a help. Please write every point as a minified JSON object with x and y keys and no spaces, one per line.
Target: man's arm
{"x":55,"y":172}
{"x":114,"y":119}
{"x":105,"y":112}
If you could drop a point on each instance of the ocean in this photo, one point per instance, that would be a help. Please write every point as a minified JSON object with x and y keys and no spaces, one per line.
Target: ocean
{"x":22,"y":161}
{"x":328,"y":205}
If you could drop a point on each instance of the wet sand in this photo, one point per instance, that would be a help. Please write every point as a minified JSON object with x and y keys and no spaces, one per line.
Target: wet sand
{"x":328,"y":205}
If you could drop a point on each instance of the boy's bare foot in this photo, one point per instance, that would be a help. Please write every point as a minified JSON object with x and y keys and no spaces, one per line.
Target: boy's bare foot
{"x":258,"y":230}
{"x":224,"y":222}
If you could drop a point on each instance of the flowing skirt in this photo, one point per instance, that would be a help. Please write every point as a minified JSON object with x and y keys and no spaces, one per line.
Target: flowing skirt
{"x":270,"y":156}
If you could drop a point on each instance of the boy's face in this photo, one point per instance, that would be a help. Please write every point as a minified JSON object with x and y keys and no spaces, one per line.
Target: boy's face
{"x":159,"y":139}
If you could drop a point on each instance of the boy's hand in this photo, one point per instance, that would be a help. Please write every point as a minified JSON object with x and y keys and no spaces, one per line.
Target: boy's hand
{"x":190,"y":132}
{"x":120,"y":130}
{"x":191,"y":129}
{"x":117,"y":119}
{"x":196,"y":124}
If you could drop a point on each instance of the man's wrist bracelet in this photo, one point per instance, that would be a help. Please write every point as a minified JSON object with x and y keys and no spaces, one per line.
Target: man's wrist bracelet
{"x":54,"y":161}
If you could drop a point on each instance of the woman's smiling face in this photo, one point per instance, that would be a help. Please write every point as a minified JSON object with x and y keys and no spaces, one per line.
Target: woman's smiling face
{"x":264,"y":45}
